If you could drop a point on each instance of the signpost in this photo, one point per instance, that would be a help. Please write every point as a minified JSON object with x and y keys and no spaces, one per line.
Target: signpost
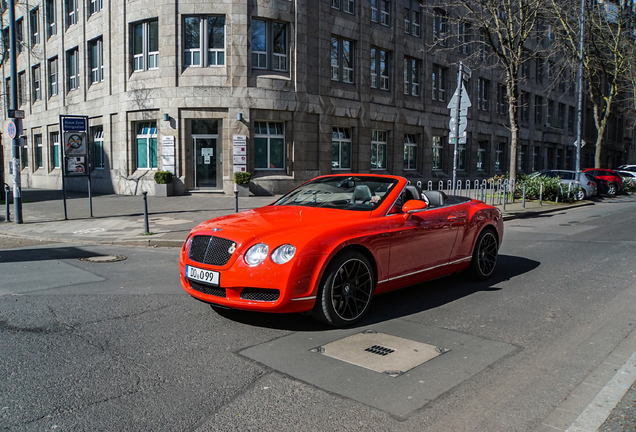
{"x":76,"y":153}
{"x":458,"y":105}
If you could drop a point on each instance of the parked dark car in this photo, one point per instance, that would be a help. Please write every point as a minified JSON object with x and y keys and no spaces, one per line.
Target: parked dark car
{"x":615,"y":182}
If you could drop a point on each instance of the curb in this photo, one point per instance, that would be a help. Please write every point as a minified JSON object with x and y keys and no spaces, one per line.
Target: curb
{"x":523,"y":214}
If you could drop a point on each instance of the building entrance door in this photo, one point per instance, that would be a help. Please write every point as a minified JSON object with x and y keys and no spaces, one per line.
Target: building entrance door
{"x":207,"y":159}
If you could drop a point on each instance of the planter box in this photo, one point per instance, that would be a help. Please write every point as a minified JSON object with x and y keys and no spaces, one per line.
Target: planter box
{"x":163,"y":190}
{"x":243,"y":190}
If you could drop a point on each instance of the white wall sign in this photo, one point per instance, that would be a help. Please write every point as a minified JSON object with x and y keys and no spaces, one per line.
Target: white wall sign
{"x":167,"y":153}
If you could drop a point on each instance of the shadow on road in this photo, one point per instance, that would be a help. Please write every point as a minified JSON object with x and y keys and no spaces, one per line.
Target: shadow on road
{"x":44,"y":254}
{"x":400,"y":303}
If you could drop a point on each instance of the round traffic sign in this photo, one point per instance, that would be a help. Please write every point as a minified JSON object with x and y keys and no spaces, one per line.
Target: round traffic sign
{"x":12,"y":130}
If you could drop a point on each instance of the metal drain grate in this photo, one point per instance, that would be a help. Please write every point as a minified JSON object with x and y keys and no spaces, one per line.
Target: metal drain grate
{"x":380,"y":350}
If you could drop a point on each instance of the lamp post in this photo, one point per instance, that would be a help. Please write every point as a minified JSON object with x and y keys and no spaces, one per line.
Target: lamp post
{"x":15,"y":141}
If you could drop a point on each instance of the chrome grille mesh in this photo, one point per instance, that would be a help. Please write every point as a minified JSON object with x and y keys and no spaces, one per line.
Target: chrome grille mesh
{"x":211,"y":250}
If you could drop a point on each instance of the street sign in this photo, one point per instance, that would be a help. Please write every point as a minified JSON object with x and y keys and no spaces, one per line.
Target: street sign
{"x":466,"y":73}
{"x":12,"y":130}
{"x":463,"y":112}
{"x":582,"y":144}
{"x":18,"y":114}
{"x":74,"y":124}
{"x":452,"y":104}
{"x":463,"y":122}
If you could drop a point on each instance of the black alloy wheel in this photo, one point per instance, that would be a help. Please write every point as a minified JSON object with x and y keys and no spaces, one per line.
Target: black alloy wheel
{"x":485,"y":255}
{"x":346,"y":290}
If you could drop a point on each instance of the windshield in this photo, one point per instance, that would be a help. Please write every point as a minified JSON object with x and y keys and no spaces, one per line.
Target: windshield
{"x":346,"y":193}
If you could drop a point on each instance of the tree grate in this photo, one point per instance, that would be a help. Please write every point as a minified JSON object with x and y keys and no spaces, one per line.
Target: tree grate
{"x":380,"y":350}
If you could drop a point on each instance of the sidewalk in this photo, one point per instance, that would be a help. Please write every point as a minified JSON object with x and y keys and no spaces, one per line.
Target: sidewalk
{"x":119,"y":219}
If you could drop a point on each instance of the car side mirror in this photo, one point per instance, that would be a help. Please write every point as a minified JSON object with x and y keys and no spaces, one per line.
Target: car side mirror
{"x":413,"y":206}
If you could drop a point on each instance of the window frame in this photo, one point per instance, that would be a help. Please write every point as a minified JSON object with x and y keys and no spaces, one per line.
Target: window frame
{"x":72,"y":69}
{"x":19,"y":35}
{"x":268,"y":136}
{"x":482,"y":152}
{"x":96,"y":68}
{"x":380,"y":68}
{"x":97,"y":135}
{"x":22,"y":89}
{"x":440,"y":27}
{"x":51,"y":19}
{"x":71,"y":9}
{"x":141,"y":60}
{"x":413,"y":18}
{"x":52,"y":76}
{"x":54,"y":148}
{"x":151,"y":149}
{"x":94,"y":6}
{"x":501,"y":106}
{"x":499,"y":155}
{"x":379,"y":142}
{"x":437,"y":153}
{"x":342,"y":73}
{"x":36,"y":82}
{"x":37,"y":146}
{"x":483,"y":94}
{"x":410,"y":152}
{"x":271,"y":57}
{"x":412,"y":70}
{"x":34,"y":26}
{"x":439,"y":83}
{"x":341,"y":136}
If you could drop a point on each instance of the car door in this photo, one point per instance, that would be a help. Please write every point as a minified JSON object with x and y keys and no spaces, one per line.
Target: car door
{"x":422,"y":242}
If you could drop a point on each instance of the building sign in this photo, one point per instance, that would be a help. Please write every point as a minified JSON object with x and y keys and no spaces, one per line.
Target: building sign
{"x":75,"y":165}
{"x":240,"y":153}
{"x":75,"y":149}
{"x":167,"y":153}
{"x":75,"y":144}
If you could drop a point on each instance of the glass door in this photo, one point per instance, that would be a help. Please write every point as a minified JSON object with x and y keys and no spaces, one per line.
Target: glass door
{"x":206,"y":162}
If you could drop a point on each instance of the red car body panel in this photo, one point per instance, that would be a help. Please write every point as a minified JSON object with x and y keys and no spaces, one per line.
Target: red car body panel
{"x":403,"y":250}
{"x":608,"y":175}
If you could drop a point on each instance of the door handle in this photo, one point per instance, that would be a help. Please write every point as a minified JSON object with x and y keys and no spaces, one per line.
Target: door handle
{"x":451,"y":218}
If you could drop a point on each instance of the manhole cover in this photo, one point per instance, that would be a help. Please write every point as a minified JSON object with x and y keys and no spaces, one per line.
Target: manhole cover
{"x":104,"y":258}
{"x":381,"y":352}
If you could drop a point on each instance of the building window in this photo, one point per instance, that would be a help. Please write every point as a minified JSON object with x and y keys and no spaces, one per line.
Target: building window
{"x":146,"y":45}
{"x":5,"y":41}
{"x":571,"y":119}
{"x":438,"y":153}
{"x":269,"y":45}
{"x":341,"y":59}
{"x":461,"y":157}
{"x":347,"y":5}
{"x":439,"y":83}
{"x":36,"y":81}
{"x":96,"y":60}
{"x":51,"y":26}
{"x":379,"y":146}
{"x":34,"y":24}
{"x":97,"y":133}
{"x":72,"y":69}
{"x":95,"y":6}
{"x":539,"y":72}
{"x":412,"y":24}
{"x":524,"y":109}
{"x":385,"y":10}
{"x":52,"y":76}
{"x":37,"y":145}
{"x":54,"y":148}
{"x":411,"y":76}
{"x":7,"y":92}
{"x":536,"y":166}
{"x":440,"y":27}
{"x":24,"y":154}
{"x":19,"y":35}
{"x":499,"y":152}
{"x":483,"y":93}
{"x":538,"y":110}
{"x":560,"y":120}
{"x":379,"y":68}
{"x":502,"y":99}
{"x":340,"y":148}
{"x":463,"y":37}
{"x":200,"y":32}
{"x":72,"y":12}
{"x":549,"y":118}
{"x":269,"y":145}
{"x":147,"y":145}
{"x":410,"y":152}
{"x":525,"y":66}
{"x":481,"y":155}
{"x":21,"y":88}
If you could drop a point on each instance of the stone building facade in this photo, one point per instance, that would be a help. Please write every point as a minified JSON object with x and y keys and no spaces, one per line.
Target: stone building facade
{"x":316,"y":87}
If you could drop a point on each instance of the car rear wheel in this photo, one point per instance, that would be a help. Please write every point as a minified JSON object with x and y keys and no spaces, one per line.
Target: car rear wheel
{"x":580,"y":195}
{"x":485,"y":255}
{"x":346,"y":290}
{"x":611,"y":189}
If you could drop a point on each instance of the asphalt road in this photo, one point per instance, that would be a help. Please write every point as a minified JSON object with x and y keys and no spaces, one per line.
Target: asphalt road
{"x":119,"y":346}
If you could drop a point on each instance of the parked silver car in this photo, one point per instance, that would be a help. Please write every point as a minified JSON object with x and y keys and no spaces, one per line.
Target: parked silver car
{"x":629,"y":177}
{"x":585,"y":180}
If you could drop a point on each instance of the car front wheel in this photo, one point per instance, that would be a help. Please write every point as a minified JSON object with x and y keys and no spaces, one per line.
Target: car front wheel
{"x":611,"y":190}
{"x":346,"y":290}
{"x":580,"y":195}
{"x":484,"y":255}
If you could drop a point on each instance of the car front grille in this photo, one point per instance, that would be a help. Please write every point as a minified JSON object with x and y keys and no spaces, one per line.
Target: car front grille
{"x":260,"y":294}
{"x":208,"y":289}
{"x":211,"y":250}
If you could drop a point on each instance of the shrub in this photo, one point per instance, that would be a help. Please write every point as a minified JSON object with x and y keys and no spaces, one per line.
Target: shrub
{"x":552,"y":188}
{"x":242,"y":177}
{"x":163,"y":177}
{"x":629,"y":185}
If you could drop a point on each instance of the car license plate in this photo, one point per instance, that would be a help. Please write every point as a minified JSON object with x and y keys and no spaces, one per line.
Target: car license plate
{"x":201,"y":275}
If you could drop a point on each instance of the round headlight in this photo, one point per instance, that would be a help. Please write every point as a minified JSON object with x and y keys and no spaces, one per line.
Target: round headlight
{"x":256,"y":254}
{"x":283,"y":253}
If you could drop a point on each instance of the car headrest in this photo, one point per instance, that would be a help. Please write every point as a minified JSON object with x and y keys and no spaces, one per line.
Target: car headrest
{"x":435,"y":198}
{"x":361,"y":194}
{"x":412,"y":193}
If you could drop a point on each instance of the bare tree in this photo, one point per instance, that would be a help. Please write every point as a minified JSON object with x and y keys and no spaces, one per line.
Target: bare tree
{"x":507,"y":34}
{"x":604,"y":54}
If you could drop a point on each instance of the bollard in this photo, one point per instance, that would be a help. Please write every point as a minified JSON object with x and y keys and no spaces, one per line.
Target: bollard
{"x":7,"y":191}
{"x":523,"y":197}
{"x":236,"y":193}
{"x":146,"y":225}
{"x":541,"y":194}
{"x":504,"y":198}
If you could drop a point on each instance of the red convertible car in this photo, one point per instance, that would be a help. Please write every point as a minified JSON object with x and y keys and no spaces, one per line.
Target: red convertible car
{"x":332,"y":243}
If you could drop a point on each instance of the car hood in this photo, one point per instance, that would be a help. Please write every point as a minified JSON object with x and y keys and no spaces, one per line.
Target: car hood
{"x":294,"y":222}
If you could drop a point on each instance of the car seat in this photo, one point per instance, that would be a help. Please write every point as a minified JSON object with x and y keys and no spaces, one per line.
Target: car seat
{"x":435,"y":198}
{"x":361,"y":194}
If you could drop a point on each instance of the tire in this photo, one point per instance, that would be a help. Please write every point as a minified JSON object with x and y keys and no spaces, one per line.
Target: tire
{"x":346,"y":290}
{"x":581,"y":195}
{"x":484,"y":259}
{"x":612,"y":189}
